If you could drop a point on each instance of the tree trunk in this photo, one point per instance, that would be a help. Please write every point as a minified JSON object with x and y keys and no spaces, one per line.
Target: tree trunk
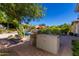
{"x":7,"y":25}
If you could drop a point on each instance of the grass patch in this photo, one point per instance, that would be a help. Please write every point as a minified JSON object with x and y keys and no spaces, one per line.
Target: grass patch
{"x":75,"y":48}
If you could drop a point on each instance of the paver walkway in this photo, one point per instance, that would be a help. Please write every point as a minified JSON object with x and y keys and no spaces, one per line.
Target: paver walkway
{"x":65,"y":46}
{"x":32,"y":51}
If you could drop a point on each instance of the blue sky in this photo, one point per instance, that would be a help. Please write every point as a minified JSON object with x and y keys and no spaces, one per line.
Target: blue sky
{"x":57,"y":14}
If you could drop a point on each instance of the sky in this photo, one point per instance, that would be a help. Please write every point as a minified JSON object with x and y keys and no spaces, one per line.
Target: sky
{"x":57,"y":14}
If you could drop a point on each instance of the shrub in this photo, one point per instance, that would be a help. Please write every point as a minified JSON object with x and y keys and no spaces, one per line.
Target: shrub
{"x":49,"y":31}
{"x":56,"y":30}
{"x":42,"y":31}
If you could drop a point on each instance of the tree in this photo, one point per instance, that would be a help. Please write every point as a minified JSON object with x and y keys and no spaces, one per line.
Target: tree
{"x":65,"y":28}
{"x":42,"y":24}
{"x":17,"y":11}
{"x":77,"y":7}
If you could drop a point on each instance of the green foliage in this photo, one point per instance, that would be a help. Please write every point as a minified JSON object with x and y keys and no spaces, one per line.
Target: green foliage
{"x":2,"y":17}
{"x":65,"y":28}
{"x":43,"y":31}
{"x":20,"y":31}
{"x":25,"y":26}
{"x":32,"y":27}
{"x":16,"y":23}
{"x":56,"y":30}
{"x":77,"y":8}
{"x":17,"y":10}
{"x":19,"y":27}
{"x":75,"y":49}
{"x":42,"y":24}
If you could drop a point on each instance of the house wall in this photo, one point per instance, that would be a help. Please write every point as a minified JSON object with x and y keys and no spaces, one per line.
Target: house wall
{"x":78,"y":28}
{"x":75,"y":28}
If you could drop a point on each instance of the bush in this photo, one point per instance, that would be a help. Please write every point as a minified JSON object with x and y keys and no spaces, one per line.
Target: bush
{"x":43,"y":31}
{"x":75,"y":49}
{"x":56,"y":30}
{"x":49,"y":31}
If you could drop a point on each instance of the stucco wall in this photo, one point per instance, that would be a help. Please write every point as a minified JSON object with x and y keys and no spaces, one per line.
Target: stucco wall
{"x":75,"y":28}
{"x":48,"y":43}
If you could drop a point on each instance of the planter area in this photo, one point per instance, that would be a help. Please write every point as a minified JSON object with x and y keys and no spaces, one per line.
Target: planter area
{"x":48,"y":43}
